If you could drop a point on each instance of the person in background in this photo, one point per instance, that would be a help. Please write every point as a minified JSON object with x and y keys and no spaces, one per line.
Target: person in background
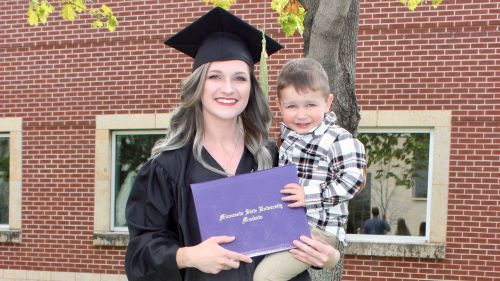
{"x":375,"y":225}
{"x":401,"y":228}
{"x":421,"y":229}
{"x":219,"y":130}
{"x":329,"y":160}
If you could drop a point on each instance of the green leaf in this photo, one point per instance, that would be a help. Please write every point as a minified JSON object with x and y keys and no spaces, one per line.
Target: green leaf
{"x":68,"y":13}
{"x":291,"y":17}
{"x":32,"y":18}
{"x":291,"y":23}
{"x":112,"y":23}
{"x":97,"y":24}
{"x":288,"y":28}
{"x":43,"y":18}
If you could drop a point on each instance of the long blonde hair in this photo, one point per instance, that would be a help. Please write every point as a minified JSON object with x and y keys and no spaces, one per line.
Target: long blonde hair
{"x":186,"y":123}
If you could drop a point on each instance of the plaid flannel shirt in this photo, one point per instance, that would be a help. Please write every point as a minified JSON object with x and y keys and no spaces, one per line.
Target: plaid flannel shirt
{"x":330,"y":165}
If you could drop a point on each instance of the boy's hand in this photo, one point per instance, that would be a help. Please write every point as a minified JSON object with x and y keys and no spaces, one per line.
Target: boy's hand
{"x":295,"y":193}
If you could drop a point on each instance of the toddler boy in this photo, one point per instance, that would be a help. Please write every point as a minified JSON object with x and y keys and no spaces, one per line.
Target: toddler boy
{"x":330,"y":162}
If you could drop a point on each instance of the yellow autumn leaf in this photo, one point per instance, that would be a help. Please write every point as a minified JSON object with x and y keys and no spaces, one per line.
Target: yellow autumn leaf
{"x":97,"y":24}
{"x":79,"y":5}
{"x":106,"y":10}
{"x":43,"y":19}
{"x":225,"y":4}
{"x":412,"y":4}
{"x":292,"y":7}
{"x":435,"y":3}
{"x":32,"y":18}
{"x":68,"y":13}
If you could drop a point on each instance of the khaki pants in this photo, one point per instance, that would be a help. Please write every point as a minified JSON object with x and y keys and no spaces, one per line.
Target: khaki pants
{"x":283,"y":266}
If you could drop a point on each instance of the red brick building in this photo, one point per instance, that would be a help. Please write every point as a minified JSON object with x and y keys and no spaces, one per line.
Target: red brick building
{"x":70,"y":95}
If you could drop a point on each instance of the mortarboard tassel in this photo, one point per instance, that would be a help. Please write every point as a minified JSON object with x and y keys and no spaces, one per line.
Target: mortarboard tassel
{"x":263,"y":79}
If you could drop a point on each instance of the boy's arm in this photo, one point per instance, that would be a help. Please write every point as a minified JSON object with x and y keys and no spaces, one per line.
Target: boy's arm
{"x":348,"y":161}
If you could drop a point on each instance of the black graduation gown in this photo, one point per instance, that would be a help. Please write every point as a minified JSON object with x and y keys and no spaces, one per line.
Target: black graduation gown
{"x":161,"y":218}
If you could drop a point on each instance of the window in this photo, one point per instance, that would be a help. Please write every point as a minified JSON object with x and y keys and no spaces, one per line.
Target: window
{"x":10,"y":179}
{"x":419,"y":189}
{"x":4,"y":180}
{"x":408,"y":154}
{"x":398,"y":165}
{"x":130,"y":151}
{"x":122,"y":144}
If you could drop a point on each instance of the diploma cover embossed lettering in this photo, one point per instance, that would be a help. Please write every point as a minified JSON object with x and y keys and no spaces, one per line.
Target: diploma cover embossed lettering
{"x":249,"y":207}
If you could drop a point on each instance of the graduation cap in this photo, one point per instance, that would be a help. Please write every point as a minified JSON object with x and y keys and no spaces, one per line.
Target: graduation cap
{"x":219,"y":36}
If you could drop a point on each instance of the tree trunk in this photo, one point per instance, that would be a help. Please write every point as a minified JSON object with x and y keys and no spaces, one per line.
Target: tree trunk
{"x":330,"y":36}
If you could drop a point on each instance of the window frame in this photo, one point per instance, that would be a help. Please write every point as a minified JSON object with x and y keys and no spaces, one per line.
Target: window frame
{"x":432,"y":245}
{"x":399,"y":238}
{"x":4,"y":226}
{"x":104,"y":234}
{"x":12,"y":128}
{"x":114,"y":134}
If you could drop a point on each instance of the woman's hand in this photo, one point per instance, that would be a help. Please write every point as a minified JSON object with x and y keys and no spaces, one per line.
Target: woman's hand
{"x":210,"y":257}
{"x":315,"y":253}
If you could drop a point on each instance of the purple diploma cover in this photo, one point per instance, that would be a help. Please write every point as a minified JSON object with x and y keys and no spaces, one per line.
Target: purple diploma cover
{"x":249,"y":207}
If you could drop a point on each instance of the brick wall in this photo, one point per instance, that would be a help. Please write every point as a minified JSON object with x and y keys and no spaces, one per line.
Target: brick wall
{"x":441,"y":60}
{"x":60,"y":76}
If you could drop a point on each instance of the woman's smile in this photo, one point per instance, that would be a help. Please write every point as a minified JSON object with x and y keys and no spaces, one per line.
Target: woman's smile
{"x":226,"y":101}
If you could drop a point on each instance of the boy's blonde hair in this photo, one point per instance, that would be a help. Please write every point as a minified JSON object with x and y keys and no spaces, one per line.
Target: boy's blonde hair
{"x":302,"y":74}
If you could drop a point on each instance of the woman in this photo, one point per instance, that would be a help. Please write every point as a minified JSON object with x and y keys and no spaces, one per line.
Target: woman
{"x":401,"y":228}
{"x":219,"y":130}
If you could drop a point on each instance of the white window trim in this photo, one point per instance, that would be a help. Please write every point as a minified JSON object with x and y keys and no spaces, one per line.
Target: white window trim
{"x":104,"y":235}
{"x":433,"y":244}
{"x":12,"y":127}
